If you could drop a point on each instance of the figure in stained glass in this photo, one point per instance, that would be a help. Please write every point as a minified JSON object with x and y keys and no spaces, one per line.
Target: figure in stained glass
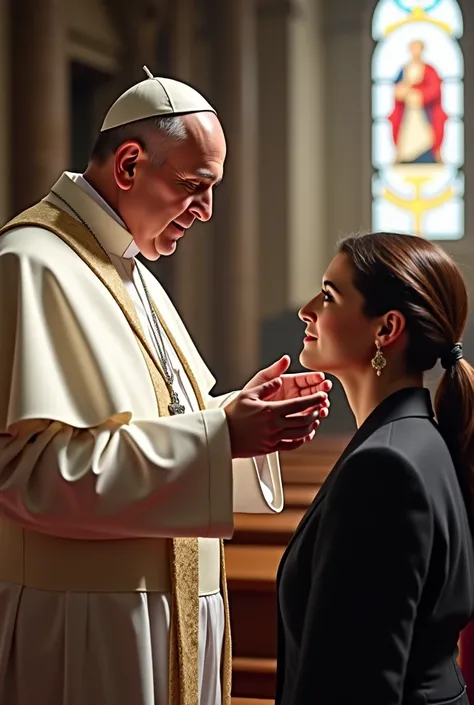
{"x":417,"y":118}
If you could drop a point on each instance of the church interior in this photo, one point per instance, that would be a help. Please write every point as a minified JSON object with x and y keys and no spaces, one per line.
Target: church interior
{"x":305,"y":92}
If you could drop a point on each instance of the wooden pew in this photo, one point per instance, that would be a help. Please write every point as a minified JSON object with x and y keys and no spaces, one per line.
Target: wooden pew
{"x":252,"y":559}
{"x":303,"y":473}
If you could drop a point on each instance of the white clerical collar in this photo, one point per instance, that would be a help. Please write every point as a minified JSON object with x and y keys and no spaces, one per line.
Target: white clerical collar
{"x":106,"y":225}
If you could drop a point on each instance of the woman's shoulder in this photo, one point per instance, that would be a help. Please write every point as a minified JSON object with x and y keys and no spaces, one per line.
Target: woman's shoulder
{"x":378,"y":458}
{"x":378,"y":479}
{"x":406,"y":452}
{"x":416,"y":442}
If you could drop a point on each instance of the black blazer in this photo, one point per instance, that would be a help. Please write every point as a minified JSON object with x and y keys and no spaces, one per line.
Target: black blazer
{"x":378,"y":580}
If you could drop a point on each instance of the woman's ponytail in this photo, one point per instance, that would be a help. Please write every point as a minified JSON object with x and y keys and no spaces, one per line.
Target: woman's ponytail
{"x":454,"y":408}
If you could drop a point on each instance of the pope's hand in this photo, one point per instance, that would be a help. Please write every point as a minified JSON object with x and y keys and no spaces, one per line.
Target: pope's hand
{"x":259,"y":425}
{"x":294,"y":385}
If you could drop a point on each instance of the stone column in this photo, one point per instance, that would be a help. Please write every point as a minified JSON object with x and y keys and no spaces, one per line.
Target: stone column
{"x":274,"y":146}
{"x":307,"y":158}
{"x":183,"y":23}
{"x":5,"y":205}
{"x":184,"y":268}
{"x":138,"y":30}
{"x":236,"y":307}
{"x":347,"y":28}
{"x":293,"y":231}
{"x":40,"y":95}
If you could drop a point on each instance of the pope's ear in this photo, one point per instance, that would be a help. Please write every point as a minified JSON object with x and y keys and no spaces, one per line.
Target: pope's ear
{"x":126,"y":158}
{"x":392,"y":327}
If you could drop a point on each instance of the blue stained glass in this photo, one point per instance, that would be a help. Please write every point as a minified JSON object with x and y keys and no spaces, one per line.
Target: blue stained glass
{"x":417,"y":114}
{"x":408,"y":7}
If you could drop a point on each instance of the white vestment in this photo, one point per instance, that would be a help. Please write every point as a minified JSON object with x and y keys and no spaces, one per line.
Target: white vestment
{"x":84,"y":455}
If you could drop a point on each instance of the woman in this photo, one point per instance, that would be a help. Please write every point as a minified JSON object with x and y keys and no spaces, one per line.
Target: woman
{"x":378,"y":580}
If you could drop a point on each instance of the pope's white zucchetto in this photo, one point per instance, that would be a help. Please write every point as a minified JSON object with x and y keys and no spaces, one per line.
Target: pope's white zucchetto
{"x":155,"y":97}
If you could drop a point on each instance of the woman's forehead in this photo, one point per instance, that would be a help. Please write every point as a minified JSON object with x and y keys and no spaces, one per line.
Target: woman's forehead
{"x":339,"y":269}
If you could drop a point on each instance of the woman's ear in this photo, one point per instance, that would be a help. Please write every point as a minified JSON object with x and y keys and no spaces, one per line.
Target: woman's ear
{"x":392,"y":327}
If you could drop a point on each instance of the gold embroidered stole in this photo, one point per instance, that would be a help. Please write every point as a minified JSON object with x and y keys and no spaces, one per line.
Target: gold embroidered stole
{"x":184,"y":633}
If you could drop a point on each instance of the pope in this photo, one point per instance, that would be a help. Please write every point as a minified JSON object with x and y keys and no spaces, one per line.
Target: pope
{"x":119,"y":472}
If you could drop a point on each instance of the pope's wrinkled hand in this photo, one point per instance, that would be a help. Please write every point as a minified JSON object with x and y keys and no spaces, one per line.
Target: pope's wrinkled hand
{"x":293,"y":385}
{"x":259,"y":425}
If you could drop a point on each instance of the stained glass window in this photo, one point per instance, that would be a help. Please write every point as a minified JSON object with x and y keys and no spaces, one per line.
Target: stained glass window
{"x":417,"y":118}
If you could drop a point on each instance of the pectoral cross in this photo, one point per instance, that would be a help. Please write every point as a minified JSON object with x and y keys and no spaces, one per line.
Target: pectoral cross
{"x":175,"y":407}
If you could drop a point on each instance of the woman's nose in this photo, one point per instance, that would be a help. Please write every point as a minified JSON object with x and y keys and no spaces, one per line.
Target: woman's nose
{"x":307,"y":313}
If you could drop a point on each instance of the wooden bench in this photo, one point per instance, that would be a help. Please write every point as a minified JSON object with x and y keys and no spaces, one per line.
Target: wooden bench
{"x":253,"y":557}
{"x":253,"y":677}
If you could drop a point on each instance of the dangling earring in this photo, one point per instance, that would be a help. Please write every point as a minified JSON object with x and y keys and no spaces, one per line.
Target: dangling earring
{"x":378,"y":361}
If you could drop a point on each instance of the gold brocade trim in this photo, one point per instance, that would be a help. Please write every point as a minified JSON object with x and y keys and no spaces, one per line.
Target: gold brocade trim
{"x":184,"y":632}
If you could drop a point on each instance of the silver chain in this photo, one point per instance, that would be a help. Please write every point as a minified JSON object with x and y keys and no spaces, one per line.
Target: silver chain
{"x":168,"y":372}
{"x":175,"y":407}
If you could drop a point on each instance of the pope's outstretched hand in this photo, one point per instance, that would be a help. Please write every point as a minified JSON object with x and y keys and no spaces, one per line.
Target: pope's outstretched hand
{"x":293,"y":385}
{"x":276,"y":412}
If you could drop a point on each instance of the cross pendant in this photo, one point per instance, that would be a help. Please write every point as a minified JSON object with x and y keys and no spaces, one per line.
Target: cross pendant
{"x":175,"y":407}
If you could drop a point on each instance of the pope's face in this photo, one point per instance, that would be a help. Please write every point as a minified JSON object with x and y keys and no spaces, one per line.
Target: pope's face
{"x":161,"y":202}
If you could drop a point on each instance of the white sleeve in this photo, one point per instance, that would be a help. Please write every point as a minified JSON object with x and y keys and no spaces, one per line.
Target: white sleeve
{"x":165,"y":478}
{"x":258,"y":487}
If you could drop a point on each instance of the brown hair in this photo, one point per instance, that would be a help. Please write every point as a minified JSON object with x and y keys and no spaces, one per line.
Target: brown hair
{"x":419,"y":279}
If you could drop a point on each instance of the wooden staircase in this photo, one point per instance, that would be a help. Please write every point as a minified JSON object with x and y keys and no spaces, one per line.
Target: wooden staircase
{"x":252,"y":559}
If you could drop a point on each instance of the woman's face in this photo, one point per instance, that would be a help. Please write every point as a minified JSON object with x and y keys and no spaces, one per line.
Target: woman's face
{"x":339,"y":337}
